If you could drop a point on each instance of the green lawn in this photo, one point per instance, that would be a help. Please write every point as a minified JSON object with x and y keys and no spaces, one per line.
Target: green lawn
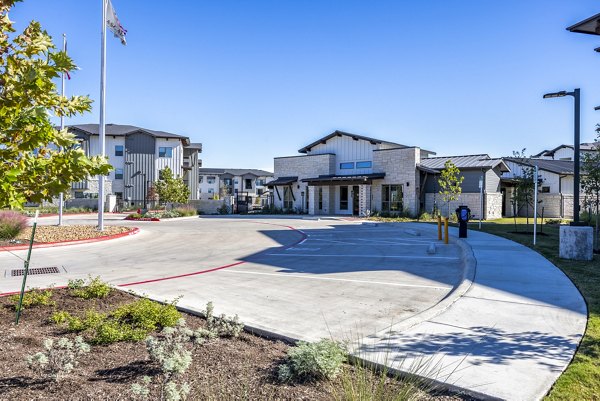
{"x":581,"y":380}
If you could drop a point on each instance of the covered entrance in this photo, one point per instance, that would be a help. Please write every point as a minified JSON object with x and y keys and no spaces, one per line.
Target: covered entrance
{"x":341,"y":194}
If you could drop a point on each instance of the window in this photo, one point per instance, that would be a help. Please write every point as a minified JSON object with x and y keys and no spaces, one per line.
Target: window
{"x":288,"y":199}
{"x":165,"y":151}
{"x":260,"y":182}
{"x":364,"y":164}
{"x":118,"y":174}
{"x":211,"y":190}
{"x":200,"y":179}
{"x":343,"y":198}
{"x":119,"y":196}
{"x":210,"y":180}
{"x":248,"y":183}
{"x":118,"y":150}
{"x":391,"y":196}
{"x":347,"y":166}
{"x":227,"y":182}
{"x":546,"y":190}
{"x":320,"y":198}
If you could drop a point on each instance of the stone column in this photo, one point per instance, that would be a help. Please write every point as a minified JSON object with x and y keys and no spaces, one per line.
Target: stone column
{"x":312,"y":199}
{"x":364,"y":200}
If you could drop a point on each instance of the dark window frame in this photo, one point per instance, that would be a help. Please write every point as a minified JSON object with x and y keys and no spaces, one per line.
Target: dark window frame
{"x":165,"y":151}
{"x":364,"y":164}
{"x":347,"y":166}
{"x":119,"y":150}
{"x":118,"y":174}
{"x":392,"y":198}
{"x":344,"y":197}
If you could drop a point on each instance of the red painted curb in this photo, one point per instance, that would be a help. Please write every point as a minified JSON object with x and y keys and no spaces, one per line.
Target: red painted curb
{"x":134,"y":231}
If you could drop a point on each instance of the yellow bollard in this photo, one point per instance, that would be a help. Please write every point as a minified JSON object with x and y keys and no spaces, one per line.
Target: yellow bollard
{"x":445,"y":230}
{"x":439,"y":228}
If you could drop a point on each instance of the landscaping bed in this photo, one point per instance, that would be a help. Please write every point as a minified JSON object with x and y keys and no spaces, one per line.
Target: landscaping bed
{"x":50,"y":234}
{"x":222,"y":368}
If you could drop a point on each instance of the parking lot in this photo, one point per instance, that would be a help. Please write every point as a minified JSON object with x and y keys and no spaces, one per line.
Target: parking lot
{"x":301,"y":278}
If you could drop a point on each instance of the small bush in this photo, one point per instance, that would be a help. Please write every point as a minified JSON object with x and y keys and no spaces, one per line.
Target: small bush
{"x":425,"y":216}
{"x":133,"y":216}
{"x":75,"y":284}
{"x":34,"y":297}
{"x":224,"y":209}
{"x":95,"y":288}
{"x":222,"y":326}
{"x":11,"y":225}
{"x":170,"y":352}
{"x":129,"y":322}
{"x":321,"y":360}
{"x":186,"y":210}
{"x":58,"y":358}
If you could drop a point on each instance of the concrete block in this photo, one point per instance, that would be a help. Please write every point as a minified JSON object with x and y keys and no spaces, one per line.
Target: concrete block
{"x":576,"y":243}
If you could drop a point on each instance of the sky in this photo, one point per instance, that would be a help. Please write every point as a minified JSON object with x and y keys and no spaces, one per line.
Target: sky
{"x":253,"y":80}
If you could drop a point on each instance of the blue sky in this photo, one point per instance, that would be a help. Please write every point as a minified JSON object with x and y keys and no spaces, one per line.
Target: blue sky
{"x":256,"y":79}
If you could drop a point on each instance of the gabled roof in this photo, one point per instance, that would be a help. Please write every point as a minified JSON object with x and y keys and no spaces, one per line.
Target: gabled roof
{"x":353,"y":136}
{"x":482,"y":161}
{"x":235,"y":171}
{"x":124,"y":130}
{"x":582,"y":146}
{"x":563,"y":167}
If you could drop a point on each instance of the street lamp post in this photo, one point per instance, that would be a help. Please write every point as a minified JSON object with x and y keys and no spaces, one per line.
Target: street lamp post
{"x":576,"y":95}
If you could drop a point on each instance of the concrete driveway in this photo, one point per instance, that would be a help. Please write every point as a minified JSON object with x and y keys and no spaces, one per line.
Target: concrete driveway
{"x":303,"y":279}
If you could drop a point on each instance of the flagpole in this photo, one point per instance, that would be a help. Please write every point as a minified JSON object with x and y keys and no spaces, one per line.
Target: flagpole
{"x":101,"y":127}
{"x":62,"y":126}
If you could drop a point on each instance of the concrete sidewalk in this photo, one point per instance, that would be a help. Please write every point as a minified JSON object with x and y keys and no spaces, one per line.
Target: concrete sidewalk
{"x":509,"y":337}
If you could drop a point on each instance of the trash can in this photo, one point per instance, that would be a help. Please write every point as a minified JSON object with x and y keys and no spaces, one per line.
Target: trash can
{"x":463,"y":213}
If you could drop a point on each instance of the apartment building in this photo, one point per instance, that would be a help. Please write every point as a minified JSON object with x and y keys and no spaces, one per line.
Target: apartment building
{"x":247,"y":185}
{"x":137,"y":155}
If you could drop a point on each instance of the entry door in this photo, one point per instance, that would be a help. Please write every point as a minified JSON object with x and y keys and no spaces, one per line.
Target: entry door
{"x":355,"y":205}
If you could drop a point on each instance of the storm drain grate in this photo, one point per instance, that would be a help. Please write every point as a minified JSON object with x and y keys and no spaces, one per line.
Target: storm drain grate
{"x":35,"y":270}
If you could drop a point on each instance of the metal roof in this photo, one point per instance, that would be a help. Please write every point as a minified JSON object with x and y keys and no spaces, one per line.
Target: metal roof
{"x":353,"y":136}
{"x":282,"y":181}
{"x":564,"y":167}
{"x":124,"y":130}
{"x":235,"y":171}
{"x":582,"y":146}
{"x":345,"y":178}
{"x":464,"y":162}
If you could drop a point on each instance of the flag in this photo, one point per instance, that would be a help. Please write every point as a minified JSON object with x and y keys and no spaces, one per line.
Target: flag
{"x":113,"y":23}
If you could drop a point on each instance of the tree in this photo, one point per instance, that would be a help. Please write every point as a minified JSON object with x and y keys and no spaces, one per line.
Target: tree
{"x":450,"y":183}
{"x":590,"y":181}
{"x":524,"y":186}
{"x":170,"y":188}
{"x":38,"y":161}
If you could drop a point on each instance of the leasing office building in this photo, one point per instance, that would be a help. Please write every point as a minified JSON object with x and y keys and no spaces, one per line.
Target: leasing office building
{"x":343,"y":173}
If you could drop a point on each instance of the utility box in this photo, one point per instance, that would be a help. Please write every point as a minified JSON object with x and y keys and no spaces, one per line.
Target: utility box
{"x":463,"y":213}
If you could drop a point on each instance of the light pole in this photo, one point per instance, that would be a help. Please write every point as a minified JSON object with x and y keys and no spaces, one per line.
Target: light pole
{"x":576,"y":95}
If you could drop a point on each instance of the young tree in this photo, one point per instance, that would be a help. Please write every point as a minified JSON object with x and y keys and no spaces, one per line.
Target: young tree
{"x":170,"y":188}
{"x":590,"y":181}
{"x":523,"y":194}
{"x":450,"y":183}
{"x":38,"y":161}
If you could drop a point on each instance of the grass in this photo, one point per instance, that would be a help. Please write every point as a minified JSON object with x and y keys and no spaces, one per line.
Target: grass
{"x":581,"y":380}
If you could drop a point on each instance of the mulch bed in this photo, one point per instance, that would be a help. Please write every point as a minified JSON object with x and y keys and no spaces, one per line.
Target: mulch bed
{"x":142,"y":218}
{"x":222,"y":369}
{"x":47,"y":234}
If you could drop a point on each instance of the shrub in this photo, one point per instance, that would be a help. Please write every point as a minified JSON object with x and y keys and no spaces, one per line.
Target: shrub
{"x":34,"y":297}
{"x":58,"y":358}
{"x":11,"y":225}
{"x":222,"y":326}
{"x":425,"y":216}
{"x":224,"y":209}
{"x":321,"y":360}
{"x":170,"y":353}
{"x":75,"y":284}
{"x":95,"y":288}
{"x":129,"y":322}
{"x":186,"y":210}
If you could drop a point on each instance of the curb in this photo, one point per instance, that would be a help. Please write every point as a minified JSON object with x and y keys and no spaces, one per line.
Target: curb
{"x":134,"y":231}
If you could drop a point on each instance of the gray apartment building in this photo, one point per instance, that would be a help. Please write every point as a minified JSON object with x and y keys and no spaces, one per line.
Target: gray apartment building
{"x":137,"y":155}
